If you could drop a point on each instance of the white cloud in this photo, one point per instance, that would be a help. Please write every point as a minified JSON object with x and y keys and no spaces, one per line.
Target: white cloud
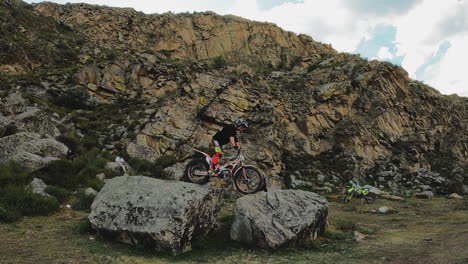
{"x":384,"y":53}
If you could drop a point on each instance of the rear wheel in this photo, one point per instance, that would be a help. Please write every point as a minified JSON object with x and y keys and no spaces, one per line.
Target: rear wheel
{"x":370,"y":197}
{"x":248,"y":180}
{"x":197,"y":171}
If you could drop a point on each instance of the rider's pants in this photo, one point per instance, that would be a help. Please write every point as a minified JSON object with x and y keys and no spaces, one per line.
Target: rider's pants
{"x":217,"y":155}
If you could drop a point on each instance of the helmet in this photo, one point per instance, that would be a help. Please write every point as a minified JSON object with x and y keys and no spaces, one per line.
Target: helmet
{"x":241,"y":122}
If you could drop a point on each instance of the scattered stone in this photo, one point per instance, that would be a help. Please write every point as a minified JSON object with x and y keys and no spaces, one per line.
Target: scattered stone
{"x":455,"y":196}
{"x":101,"y":176}
{"x":163,"y":215}
{"x":359,"y":237}
{"x":274,"y":182}
{"x":174,"y":172}
{"x":425,"y":195}
{"x":279,"y":218}
{"x":393,"y":197}
{"x":386,"y":210}
{"x":117,"y":167}
{"x":38,"y":186}
{"x":324,"y":189}
{"x":91,"y":192}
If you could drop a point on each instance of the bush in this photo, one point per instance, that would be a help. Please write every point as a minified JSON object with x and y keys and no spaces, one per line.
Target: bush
{"x":61,"y":194}
{"x":84,"y":227}
{"x":16,"y":200}
{"x":74,"y":98}
{"x":71,"y":174}
{"x":13,"y":174}
{"x":83,"y":202}
{"x":219,"y":62}
{"x":154,"y":169}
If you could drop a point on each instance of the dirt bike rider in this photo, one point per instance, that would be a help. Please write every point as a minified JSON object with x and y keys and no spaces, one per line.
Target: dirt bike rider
{"x":227,"y":134}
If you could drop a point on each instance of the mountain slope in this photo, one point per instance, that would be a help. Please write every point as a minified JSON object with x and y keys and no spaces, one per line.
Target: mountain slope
{"x":316,"y":114}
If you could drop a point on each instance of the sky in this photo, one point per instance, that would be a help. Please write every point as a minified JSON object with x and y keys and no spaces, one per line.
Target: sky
{"x":428,"y":38}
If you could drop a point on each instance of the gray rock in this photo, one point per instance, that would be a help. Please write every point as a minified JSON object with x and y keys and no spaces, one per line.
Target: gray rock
{"x":464,"y":189}
{"x":296,"y":183}
{"x":375,"y":190}
{"x":320,"y":179}
{"x":425,"y":195}
{"x":140,"y":151}
{"x":34,"y":120}
{"x":90,"y":192}
{"x":163,"y":215}
{"x":455,"y":196}
{"x":117,"y":168}
{"x":31,"y":162}
{"x":38,"y":186}
{"x":101,"y":176}
{"x":30,"y":150}
{"x":279,"y":218}
{"x":174,"y":172}
{"x":385,"y":210}
{"x":274,"y":182}
{"x":13,"y":104}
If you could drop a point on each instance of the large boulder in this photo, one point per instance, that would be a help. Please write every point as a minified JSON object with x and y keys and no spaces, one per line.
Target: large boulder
{"x":30,"y":150}
{"x":279,"y":218}
{"x":163,"y":215}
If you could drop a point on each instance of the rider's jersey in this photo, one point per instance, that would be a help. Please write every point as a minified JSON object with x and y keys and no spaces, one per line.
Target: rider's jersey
{"x":223,"y":135}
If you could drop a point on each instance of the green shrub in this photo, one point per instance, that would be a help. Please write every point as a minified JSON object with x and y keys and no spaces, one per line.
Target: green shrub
{"x":74,"y":98}
{"x":61,"y":194}
{"x":84,"y":226}
{"x":13,"y":174}
{"x":82,"y":202}
{"x":219,"y":62}
{"x":17,"y":198}
{"x":71,"y":174}
{"x":346,"y":225}
{"x":9,"y":216}
{"x":154,"y":169}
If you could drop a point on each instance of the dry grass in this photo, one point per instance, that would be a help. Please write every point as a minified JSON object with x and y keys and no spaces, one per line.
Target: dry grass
{"x":423,"y":231}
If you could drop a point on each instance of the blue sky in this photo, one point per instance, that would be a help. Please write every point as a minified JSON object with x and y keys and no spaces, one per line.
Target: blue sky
{"x":428,"y":38}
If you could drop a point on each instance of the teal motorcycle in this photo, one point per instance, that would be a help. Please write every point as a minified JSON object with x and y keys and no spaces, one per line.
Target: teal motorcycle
{"x":358,"y":192}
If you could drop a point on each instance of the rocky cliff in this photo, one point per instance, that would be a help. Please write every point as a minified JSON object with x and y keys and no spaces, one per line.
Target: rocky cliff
{"x":315,"y":114}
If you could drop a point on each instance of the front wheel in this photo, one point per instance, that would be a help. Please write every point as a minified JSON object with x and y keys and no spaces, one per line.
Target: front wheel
{"x":248,"y":180}
{"x":197,"y":171}
{"x":347,"y":198}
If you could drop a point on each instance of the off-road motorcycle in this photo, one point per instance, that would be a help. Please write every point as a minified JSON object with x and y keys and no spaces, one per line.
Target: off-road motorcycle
{"x":246,"y":178}
{"x":359,"y":192}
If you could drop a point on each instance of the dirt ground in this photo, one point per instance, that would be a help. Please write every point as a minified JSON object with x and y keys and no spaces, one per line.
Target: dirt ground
{"x":419,"y":231}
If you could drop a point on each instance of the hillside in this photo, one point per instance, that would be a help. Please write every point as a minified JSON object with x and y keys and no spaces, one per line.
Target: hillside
{"x":153,"y":86}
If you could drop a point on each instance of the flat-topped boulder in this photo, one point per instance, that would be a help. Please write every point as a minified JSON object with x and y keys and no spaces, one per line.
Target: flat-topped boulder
{"x":279,"y":218}
{"x":163,"y":215}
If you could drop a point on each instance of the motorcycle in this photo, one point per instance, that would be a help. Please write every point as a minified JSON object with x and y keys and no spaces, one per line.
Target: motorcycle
{"x":246,"y":178}
{"x":359,"y":192}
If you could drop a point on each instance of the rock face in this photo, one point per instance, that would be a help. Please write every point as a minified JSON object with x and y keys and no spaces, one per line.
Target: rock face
{"x":198,"y":36}
{"x":163,"y":215}
{"x":340,"y":115}
{"x":30,"y":150}
{"x":279,"y":218}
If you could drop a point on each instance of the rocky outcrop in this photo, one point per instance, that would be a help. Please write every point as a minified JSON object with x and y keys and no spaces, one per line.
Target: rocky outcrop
{"x":317,"y":117}
{"x":163,"y":215}
{"x":279,"y":218}
{"x":17,"y":115}
{"x":31,"y":150}
{"x":190,"y":36}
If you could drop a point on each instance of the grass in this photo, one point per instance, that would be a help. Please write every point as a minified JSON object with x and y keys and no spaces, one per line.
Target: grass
{"x":424,"y":231}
